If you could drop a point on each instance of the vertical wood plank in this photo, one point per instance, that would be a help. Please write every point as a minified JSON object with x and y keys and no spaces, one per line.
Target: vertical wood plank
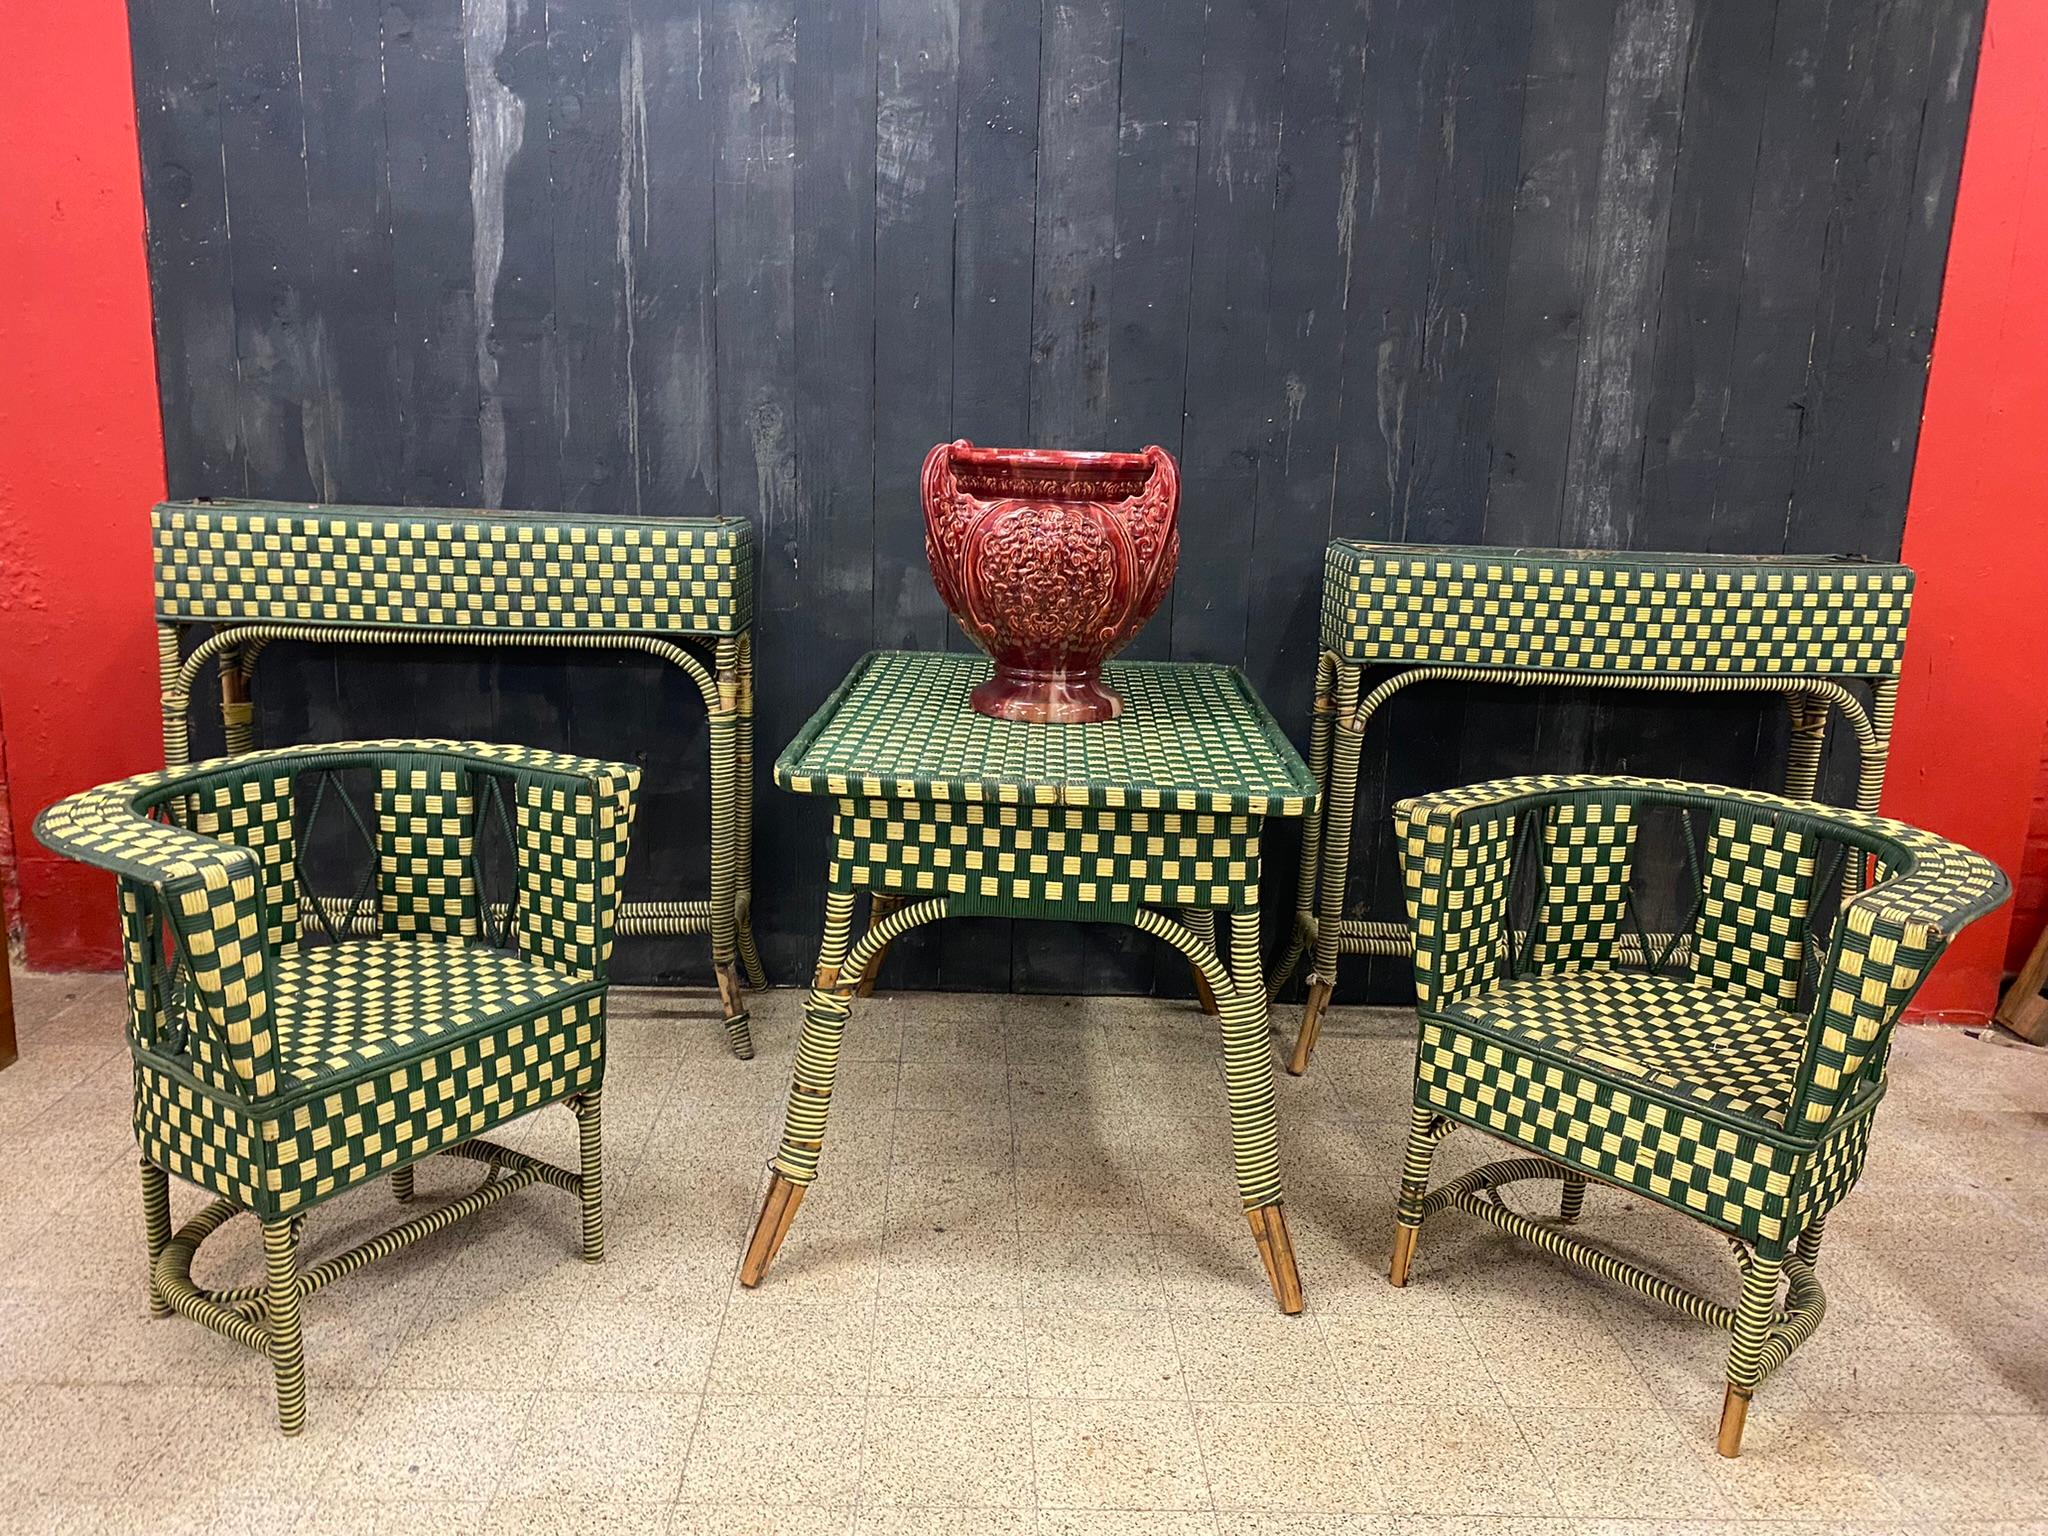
{"x":1151,"y":271}
{"x":359,"y":444}
{"x":597,"y":153}
{"x":1564,"y":104}
{"x":1232,"y":404}
{"x":184,"y":197}
{"x":1645,"y":84}
{"x":1073,"y":244}
{"x":916,"y":124}
{"x":278,"y":335}
{"x":674,"y":245}
{"x":426,"y":123}
{"x":1713,"y":182}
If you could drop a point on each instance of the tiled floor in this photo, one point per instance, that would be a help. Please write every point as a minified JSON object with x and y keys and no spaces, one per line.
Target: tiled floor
{"x":1020,"y":1299}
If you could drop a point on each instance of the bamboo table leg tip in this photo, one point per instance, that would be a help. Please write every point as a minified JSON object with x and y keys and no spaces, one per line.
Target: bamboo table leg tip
{"x":1311,"y":1026}
{"x":1276,"y":1255}
{"x":1734,"y":1416}
{"x":777,"y":1212}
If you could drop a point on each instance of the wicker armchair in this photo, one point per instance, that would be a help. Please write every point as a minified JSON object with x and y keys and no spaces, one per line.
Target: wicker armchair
{"x":290,"y":1045}
{"x":1726,"y":1062}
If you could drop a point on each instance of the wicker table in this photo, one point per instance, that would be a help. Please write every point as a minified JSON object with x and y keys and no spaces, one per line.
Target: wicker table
{"x":256,"y":572}
{"x":1801,"y":626}
{"x":1152,"y":819}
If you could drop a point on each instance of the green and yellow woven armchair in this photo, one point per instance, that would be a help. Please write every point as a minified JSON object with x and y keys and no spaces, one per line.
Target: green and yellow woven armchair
{"x":1714,"y":1041}
{"x":290,"y":1045}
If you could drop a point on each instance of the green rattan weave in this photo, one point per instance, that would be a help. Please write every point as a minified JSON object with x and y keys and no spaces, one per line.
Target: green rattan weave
{"x":1692,"y":1075}
{"x":1398,"y":615}
{"x":677,"y":589}
{"x":1153,"y":819}
{"x":279,"y":1062}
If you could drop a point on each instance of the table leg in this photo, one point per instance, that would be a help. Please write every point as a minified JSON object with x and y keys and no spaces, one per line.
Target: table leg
{"x":1254,"y":1127}
{"x":1319,"y":732}
{"x":1340,"y":802}
{"x":810,"y":1092}
{"x":743,"y":790}
{"x":1202,"y":921}
{"x":879,"y":907}
{"x":724,"y":731}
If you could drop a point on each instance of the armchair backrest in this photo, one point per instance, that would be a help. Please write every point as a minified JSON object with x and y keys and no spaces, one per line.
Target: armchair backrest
{"x":212,"y":856}
{"x":1763,"y":869}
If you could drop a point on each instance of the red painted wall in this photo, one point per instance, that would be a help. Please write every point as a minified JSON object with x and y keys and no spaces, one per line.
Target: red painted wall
{"x":81,"y":450}
{"x":1975,"y":694}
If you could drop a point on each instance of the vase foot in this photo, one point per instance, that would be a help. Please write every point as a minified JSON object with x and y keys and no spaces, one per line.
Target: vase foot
{"x":1055,"y":698}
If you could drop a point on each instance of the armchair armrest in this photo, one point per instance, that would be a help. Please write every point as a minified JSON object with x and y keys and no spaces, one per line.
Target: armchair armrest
{"x":209,"y":891}
{"x":1887,"y":941}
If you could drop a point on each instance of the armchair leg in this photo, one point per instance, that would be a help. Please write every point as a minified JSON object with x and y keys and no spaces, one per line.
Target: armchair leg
{"x":1734,"y":1415}
{"x":401,"y":1184}
{"x":281,"y":1311}
{"x":156,"y":1225}
{"x":1573,"y":1201}
{"x":1753,"y":1316}
{"x":590,"y":1141}
{"x":1422,"y":1140}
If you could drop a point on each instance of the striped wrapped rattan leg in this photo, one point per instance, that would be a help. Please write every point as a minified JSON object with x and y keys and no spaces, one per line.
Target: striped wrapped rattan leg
{"x":743,"y":807}
{"x":1202,"y":923}
{"x":281,"y":1297}
{"x":588,"y":1109}
{"x":1746,"y":1368}
{"x":1425,"y":1130}
{"x":810,"y":1089}
{"x":1312,"y":825}
{"x":402,"y":1184}
{"x":879,"y":907}
{"x":156,"y":1226}
{"x":724,"y":731}
{"x":1254,"y":1125}
{"x":1342,"y":797}
{"x":1572,"y":1201}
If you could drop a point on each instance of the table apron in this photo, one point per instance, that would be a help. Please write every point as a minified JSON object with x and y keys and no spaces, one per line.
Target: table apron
{"x":1059,"y":860}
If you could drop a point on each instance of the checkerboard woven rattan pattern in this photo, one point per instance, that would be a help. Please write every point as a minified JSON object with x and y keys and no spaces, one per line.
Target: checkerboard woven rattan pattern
{"x":1737,"y":1177}
{"x":1593,"y":611}
{"x":279,"y":563}
{"x":1060,"y":856}
{"x":283,"y":1157}
{"x":1191,"y":738}
{"x":1715,"y":1048}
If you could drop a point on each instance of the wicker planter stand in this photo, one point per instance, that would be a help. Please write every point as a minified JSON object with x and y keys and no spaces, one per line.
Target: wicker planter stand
{"x":680,"y":590}
{"x":1152,"y":819}
{"x":1803,"y":627}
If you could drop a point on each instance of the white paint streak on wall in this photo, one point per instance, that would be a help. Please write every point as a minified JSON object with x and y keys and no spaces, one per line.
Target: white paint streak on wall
{"x":632,"y":167}
{"x":497,"y":126}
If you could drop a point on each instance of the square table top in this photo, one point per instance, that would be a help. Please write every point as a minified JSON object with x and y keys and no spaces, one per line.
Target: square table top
{"x":1192,"y":737}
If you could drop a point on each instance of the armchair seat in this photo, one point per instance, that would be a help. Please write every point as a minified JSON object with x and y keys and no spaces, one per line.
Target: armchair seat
{"x":1671,"y":1037}
{"x":344,"y":1010}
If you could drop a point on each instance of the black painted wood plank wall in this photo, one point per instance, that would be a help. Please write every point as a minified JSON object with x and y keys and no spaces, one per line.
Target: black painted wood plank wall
{"x":1632,"y":273}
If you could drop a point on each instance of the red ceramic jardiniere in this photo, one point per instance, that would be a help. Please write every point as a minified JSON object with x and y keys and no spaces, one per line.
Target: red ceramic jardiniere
{"x":1051,"y":561}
